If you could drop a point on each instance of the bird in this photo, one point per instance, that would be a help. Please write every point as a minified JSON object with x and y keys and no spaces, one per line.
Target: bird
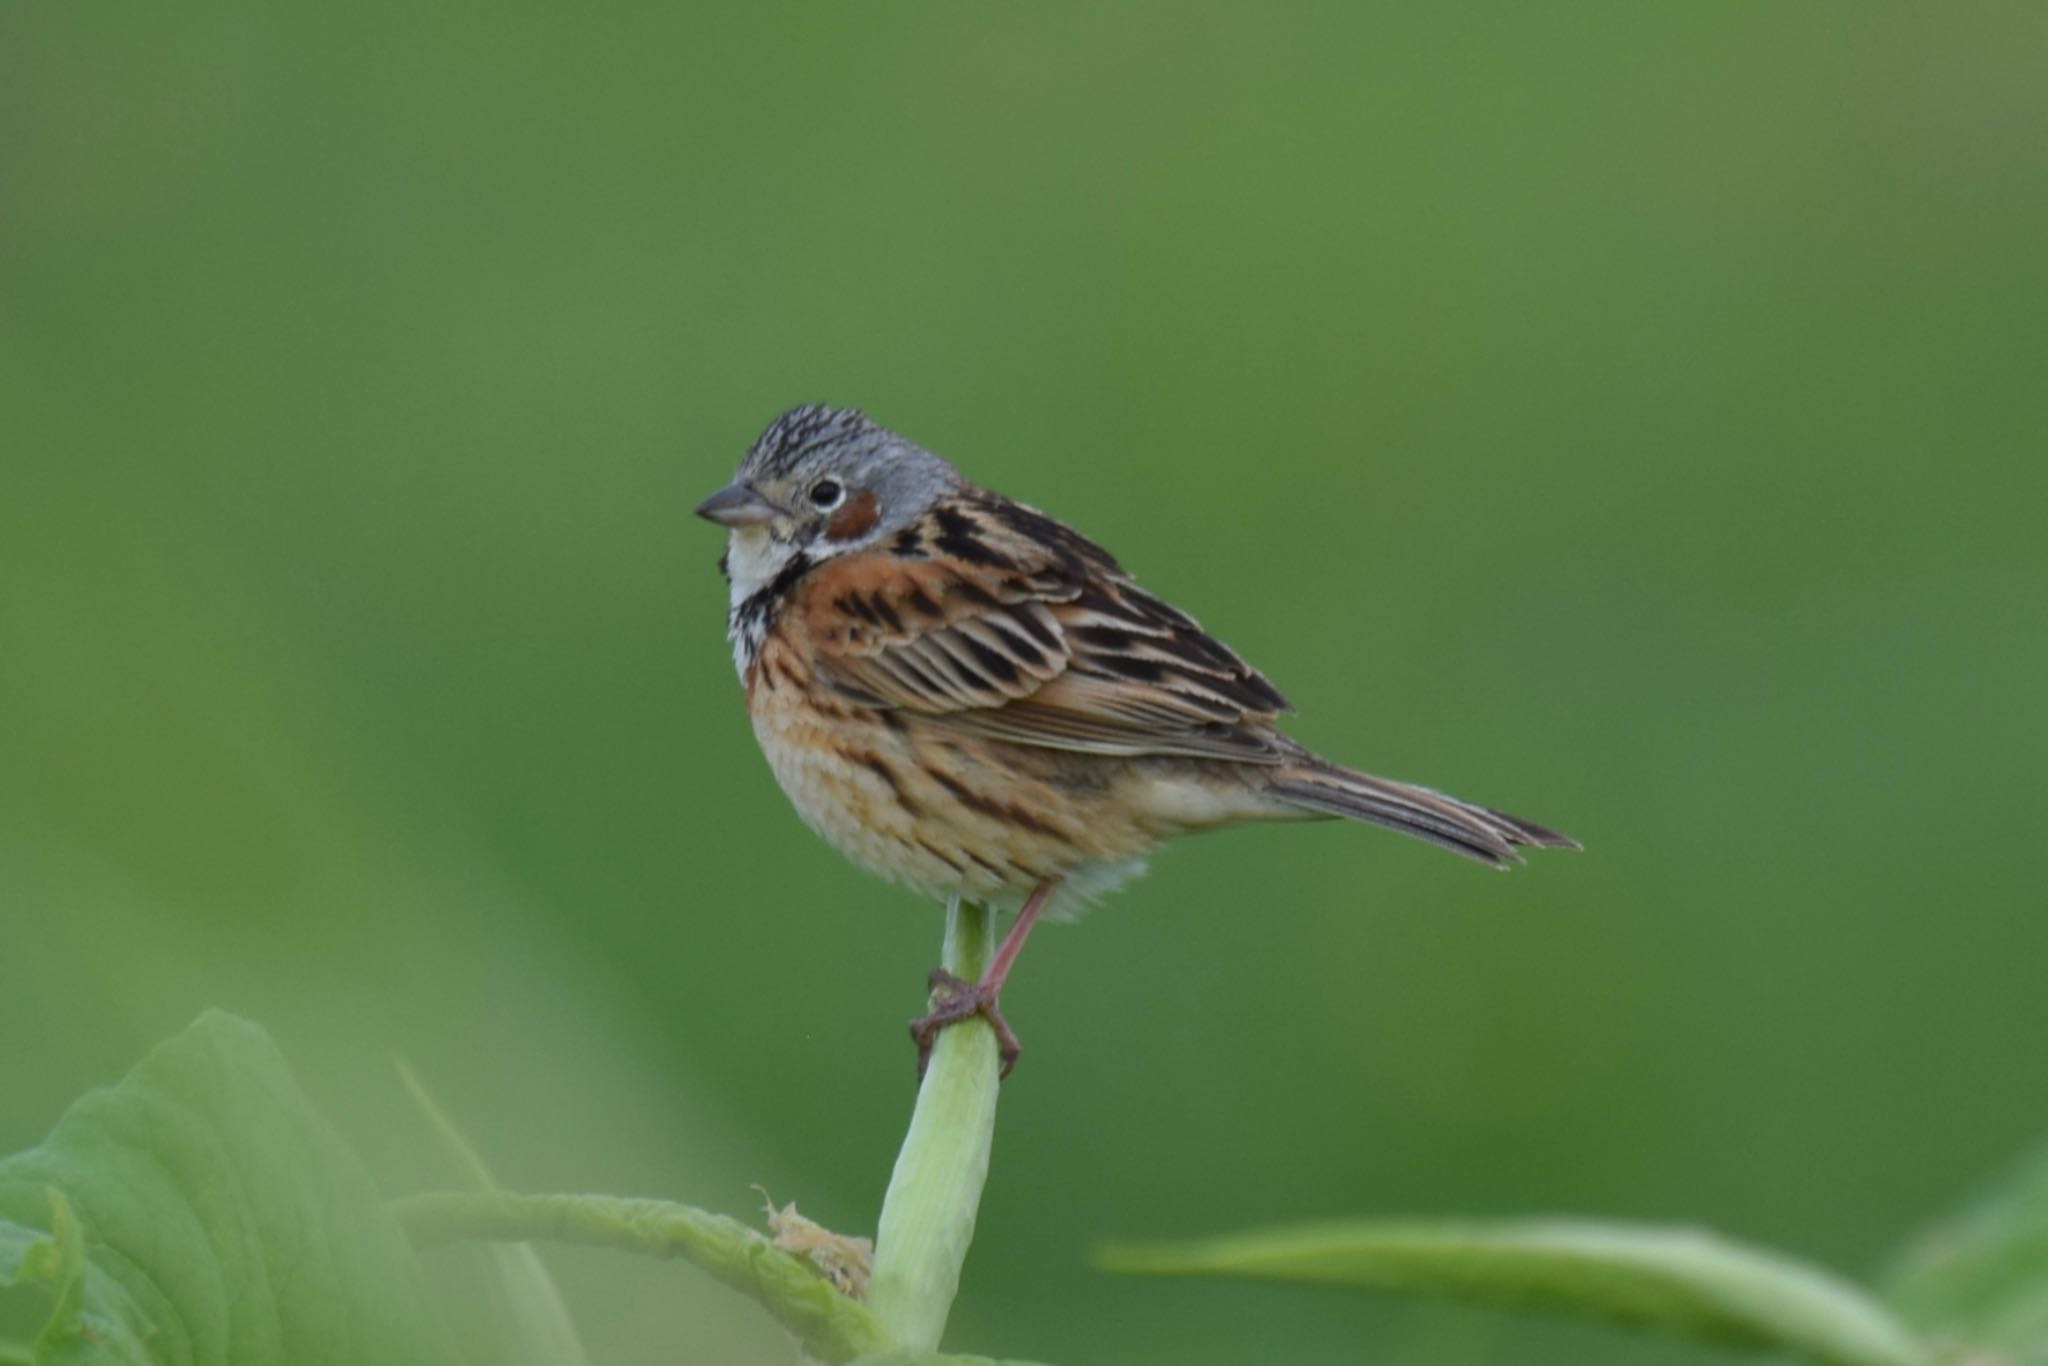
{"x":969,"y":698}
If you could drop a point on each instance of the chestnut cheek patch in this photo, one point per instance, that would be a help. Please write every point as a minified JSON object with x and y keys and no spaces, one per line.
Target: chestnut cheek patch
{"x":857,"y":518}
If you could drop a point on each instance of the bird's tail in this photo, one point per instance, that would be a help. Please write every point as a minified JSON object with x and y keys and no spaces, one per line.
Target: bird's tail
{"x":1477,"y":832}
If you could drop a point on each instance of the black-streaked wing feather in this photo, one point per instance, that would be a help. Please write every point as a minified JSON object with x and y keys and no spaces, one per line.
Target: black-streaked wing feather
{"x":1020,"y":629}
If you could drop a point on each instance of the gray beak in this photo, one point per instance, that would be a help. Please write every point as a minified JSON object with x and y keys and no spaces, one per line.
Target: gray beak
{"x":736,"y":505}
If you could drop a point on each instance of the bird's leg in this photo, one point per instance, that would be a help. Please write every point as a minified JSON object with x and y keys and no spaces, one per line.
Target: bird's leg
{"x":960,"y":1000}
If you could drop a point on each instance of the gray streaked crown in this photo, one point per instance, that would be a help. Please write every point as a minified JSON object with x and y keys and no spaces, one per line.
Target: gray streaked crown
{"x":804,"y":430}
{"x":813,"y":441}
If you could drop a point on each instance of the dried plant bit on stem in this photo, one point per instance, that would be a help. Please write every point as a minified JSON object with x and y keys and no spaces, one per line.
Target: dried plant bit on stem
{"x":842,"y":1259}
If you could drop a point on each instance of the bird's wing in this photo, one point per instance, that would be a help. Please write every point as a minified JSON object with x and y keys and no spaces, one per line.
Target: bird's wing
{"x":989,"y":617}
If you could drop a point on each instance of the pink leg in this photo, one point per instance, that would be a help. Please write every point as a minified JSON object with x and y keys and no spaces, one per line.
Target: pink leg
{"x":963,"y":1000}
{"x":1013,"y":943}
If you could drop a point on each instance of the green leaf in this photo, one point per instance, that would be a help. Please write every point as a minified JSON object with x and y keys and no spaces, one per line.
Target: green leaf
{"x":1676,"y":1281}
{"x":1980,"y":1280}
{"x":83,"y":1309}
{"x":532,"y":1316}
{"x":832,"y":1327}
{"x":219,"y":1221}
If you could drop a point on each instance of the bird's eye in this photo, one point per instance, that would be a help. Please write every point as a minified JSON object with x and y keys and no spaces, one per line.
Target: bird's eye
{"x":827,"y":493}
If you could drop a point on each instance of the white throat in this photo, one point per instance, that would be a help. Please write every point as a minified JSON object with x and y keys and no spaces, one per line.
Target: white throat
{"x":753,"y":559}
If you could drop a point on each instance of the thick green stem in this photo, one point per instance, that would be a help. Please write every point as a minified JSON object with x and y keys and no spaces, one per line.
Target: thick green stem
{"x":928,"y":1215}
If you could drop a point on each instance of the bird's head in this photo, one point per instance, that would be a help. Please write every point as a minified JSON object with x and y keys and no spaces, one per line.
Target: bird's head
{"x":820,"y":482}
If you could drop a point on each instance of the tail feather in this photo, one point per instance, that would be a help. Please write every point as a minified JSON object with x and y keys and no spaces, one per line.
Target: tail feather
{"x":1477,"y":832}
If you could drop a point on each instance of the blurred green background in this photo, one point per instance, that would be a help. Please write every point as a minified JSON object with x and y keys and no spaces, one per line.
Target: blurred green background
{"x":1630,"y":415}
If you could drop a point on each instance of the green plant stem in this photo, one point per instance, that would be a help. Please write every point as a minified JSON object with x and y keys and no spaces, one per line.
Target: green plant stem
{"x":928,"y":1214}
{"x":536,"y":1327}
{"x":832,"y":1327}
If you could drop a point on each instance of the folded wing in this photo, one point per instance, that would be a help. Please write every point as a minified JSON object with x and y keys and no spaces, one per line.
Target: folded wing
{"x":991,"y":618}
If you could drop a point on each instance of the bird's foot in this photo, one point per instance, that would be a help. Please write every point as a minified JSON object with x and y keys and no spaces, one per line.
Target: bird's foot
{"x":956,"y":1000}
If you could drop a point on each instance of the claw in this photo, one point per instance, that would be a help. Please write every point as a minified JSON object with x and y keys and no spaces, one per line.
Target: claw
{"x":957,"y":1001}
